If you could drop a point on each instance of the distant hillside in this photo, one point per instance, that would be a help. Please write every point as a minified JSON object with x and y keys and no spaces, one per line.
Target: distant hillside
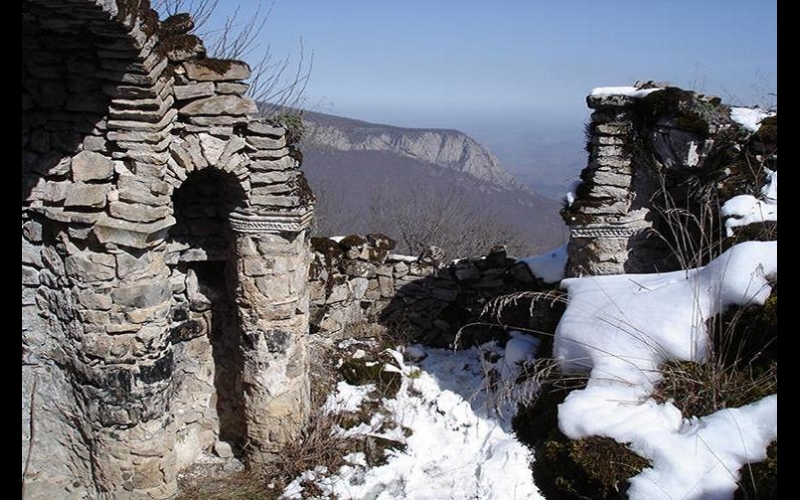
{"x":446,"y":148}
{"x":380,"y":178}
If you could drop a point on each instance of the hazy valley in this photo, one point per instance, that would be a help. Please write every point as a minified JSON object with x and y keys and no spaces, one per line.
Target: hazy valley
{"x":382,"y":178}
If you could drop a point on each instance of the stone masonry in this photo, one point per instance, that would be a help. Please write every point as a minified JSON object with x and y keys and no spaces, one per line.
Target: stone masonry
{"x":356,"y":281}
{"x":636,"y":144}
{"x":164,"y":256}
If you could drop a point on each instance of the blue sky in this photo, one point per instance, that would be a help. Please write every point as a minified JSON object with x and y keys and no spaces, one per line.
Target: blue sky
{"x":441,"y":62}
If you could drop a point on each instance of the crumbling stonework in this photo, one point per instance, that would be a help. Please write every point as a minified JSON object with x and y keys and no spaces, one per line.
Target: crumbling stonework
{"x":164,"y":255}
{"x":357,"y":281}
{"x":642,"y":149}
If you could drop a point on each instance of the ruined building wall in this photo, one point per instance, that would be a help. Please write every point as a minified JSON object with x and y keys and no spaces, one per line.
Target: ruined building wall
{"x":360,"y":288}
{"x":164,"y":255}
{"x":650,"y":150}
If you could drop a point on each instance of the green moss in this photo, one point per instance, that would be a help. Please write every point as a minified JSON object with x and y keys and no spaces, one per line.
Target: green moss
{"x":769,"y":312}
{"x":535,"y":423}
{"x":687,"y":110}
{"x":768,"y":130}
{"x":219,"y":66}
{"x":292,"y":121}
{"x":700,"y":389}
{"x":360,"y":372}
{"x":693,"y":124}
{"x":330,"y":250}
{"x":765,"y":140}
{"x":591,"y":468}
{"x":178,"y":24}
{"x":127,"y":10}
{"x":760,"y":480}
{"x":351,"y":241}
{"x":304,"y":190}
{"x":179,"y":42}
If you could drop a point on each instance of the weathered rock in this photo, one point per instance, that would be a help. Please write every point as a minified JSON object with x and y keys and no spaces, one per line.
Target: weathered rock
{"x":232,"y":88}
{"x":30,"y":276}
{"x":144,"y":295}
{"x":358,"y":287}
{"x":360,"y":269}
{"x":223,"y":449}
{"x":31,"y":255}
{"x":137,"y":212}
{"x":86,"y":195}
{"x":89,"y":267}
{"x":194,"y":90}
{"x":216,"y":70}
{"x":262,"y":128}
{"x":221,"y":105}
{"x":265,"y":142}
{"x":115,"y":304}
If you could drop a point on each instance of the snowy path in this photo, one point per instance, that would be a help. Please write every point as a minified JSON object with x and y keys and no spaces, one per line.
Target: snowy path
{"x":458,"y":449}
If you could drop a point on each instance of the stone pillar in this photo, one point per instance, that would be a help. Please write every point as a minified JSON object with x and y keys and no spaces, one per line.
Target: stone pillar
{"x":272,"y":261}
{"x":604,"y":220}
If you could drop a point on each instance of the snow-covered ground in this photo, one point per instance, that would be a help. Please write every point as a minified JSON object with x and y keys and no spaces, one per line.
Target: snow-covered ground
{"x":749,"y":118}
{"x":548,"y":266}
{"x":461,"y":447}
{"x":621,"y":328}
{"x":745,"y":209}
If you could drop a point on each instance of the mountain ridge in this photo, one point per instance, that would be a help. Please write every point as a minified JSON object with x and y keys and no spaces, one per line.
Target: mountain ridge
{"x":374,"y":178}
{"x":448,"y":148}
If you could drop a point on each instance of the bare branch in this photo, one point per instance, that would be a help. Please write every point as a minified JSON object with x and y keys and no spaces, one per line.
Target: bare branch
{"x":277,"y":85}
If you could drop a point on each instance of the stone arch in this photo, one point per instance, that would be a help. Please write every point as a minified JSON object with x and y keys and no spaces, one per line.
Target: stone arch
{"x":204,"y":329}
{"x":107,"y":140}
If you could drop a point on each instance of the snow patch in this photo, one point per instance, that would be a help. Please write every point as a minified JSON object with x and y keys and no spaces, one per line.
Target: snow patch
{"x":621,"y":328}
{"x":749,"y":118}
{"x":746,"y":209}
{"x":459,"y":448}
{"x":548,"y":266}
{"x":626,"y":91}
{"x":520,"y":350}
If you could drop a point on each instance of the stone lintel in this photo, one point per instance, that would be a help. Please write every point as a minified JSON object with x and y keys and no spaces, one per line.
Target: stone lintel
{"x":292,"y":221}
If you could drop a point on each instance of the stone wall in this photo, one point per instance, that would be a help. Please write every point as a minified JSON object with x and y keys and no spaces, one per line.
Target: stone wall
{"x":357,"y":283}
{"x":647,"y":152}
{"x":164,"y":255}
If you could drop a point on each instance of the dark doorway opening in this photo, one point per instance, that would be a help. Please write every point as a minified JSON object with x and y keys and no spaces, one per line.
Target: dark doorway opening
{"x":201,"y":250}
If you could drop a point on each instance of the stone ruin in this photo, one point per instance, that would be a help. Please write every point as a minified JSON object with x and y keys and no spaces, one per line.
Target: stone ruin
{"x":357,"y":281}
{"x":165,"y":256}
{"x":168,"y":278}
{"x":660,"y":159}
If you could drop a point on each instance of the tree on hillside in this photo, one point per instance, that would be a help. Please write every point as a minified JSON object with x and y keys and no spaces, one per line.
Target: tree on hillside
{"x":418,"y":218}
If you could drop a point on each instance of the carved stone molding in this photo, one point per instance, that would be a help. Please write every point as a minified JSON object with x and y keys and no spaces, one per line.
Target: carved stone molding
{"x":604,"y":232}
{"x":272,"y":222}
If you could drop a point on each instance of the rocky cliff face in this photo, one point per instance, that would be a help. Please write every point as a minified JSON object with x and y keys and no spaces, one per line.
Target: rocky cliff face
{"x":443,"y":147}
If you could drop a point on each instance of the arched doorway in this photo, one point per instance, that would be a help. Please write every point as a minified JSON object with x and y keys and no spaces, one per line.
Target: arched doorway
{"x":204,"y":330}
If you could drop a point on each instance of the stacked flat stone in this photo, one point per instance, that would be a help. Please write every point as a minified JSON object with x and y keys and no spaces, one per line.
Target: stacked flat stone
{"x":356,"y":281}
{"x":119,"y":111}
{"x":601,"y":221}
{"x":634,"y":142}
